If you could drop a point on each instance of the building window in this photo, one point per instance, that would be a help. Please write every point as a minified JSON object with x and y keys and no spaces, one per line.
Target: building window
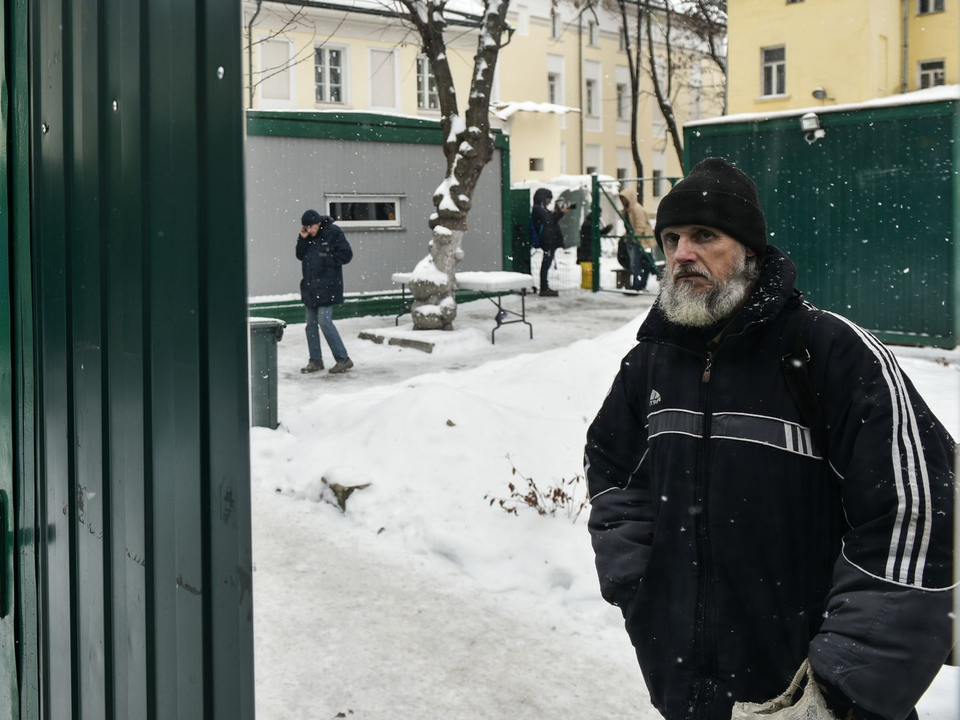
{"x":594,"y":30}
{"x":328,"y":68}
{"x":556,"y":26}
{"x":622,"y":101}
{"x":932,"y":73}
{"x":659,"y":122}
{"x":775,"y":71}
{"x":657,"y":183}
{"x":383,"y":78}
{"x":536,"y":164}
{"x":621,"y":173}
{"x":427,"y":96}
{"x":591,"y":93}
{"x":591,"y":170}
{"x":925,"y":7}
{"x":523,"y":20}
{"x":553,"y":88}
{"x":623,"y":39}
{"x":275,"y":67}
{"x":364,"y":210}
{"x":791,"y":2}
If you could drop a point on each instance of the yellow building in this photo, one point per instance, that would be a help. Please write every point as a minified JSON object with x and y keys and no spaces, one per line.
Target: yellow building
{"x":561,"y":89}
{"x":786,"y":54}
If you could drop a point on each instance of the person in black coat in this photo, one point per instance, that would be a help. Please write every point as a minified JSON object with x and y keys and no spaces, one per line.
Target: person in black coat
{"x":323,"y":250}
{"x":585,"y":248}
{"x":551,"y":238}
{"x":747,"y":532}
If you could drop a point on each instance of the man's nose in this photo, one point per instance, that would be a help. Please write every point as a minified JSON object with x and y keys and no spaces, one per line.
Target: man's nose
{"x":685,"y":250}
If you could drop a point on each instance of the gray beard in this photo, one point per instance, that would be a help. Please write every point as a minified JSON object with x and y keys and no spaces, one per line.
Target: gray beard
{"x":683,"y":305}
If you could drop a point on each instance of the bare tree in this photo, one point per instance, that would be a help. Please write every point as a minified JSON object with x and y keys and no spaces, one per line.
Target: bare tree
{"x":634,"y":63}
{"x":289,"y":18}
{"x":468,"y":147}
{"x":675,"y":33}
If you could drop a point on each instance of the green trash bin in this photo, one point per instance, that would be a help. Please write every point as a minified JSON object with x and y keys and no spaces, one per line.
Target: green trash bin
{"x":265,"y":333}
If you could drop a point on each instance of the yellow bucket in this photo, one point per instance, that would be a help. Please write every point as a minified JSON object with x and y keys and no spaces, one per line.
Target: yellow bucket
{"x":586,"y":277}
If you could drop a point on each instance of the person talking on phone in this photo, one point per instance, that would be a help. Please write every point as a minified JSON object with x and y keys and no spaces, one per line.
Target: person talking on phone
{"x":323,"y":250}
{"x":551,"y":238}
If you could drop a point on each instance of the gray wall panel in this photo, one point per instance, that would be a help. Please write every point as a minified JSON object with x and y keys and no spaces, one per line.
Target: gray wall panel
{"x":287,"y":175}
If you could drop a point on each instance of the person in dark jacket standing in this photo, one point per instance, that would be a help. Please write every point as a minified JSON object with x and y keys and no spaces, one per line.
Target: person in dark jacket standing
{"x":323,"y":250}
{"x":551,"y":238}
{"x":740,"y":538}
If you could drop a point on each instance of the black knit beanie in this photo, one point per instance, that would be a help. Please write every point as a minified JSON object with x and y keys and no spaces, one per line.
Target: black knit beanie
{"x":310,"y":217}
{"x":717,"y":194}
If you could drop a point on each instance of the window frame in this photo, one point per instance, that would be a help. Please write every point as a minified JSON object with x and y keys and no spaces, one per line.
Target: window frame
{"x":553,"y":88}
{"x":397,"y":93}
{"x":424,"y":81}
{"x":623,"y":92}
{"x":395,"y":198}
{"x":556,"y":25}
{"x":590,"y":86}
{"x":657,"y":183}
{"x":290,"y":70}
{"x":593,"y":33}
{"x":932,"y":8}
{"x":344,"y":70}
{"x":942,"y":72}
{"x":773,"y":65}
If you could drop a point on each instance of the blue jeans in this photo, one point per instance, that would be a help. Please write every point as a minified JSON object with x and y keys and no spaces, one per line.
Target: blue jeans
{"x":639,"y":266}
{"x":321,"y":318}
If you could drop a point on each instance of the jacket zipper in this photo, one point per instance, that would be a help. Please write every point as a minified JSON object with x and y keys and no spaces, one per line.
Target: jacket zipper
{"x":701,"y":694}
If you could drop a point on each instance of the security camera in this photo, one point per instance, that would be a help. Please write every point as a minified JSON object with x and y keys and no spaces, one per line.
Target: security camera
{"x":810,"y":125}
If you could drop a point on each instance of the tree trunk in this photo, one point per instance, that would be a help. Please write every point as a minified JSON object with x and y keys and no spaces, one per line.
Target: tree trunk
{"x":468,"y":147}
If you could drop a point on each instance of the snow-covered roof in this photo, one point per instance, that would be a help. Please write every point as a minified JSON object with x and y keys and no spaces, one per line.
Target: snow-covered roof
{"x":505,"y":110}
{"x":470,"y":8}
{"x":940,"y":93}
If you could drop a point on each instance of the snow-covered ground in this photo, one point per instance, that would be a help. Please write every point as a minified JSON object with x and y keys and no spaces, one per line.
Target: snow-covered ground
{"x":424,"y":601}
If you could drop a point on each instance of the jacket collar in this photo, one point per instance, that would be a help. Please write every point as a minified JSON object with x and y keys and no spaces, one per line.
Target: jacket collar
{"x":773,"y":291}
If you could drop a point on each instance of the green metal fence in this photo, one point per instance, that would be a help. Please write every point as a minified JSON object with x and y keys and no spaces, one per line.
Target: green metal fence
{"x":124,"y":471}
{"x":870,"y":212}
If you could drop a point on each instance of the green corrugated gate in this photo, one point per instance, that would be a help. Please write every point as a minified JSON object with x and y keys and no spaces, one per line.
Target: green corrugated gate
{"x":124,"y":469}
{"x":870,"y":213}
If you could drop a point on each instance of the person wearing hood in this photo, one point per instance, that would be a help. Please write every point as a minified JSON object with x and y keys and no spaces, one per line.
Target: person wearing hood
{"x":639,"y":237}
{"x":771,"y":499}
{"x":551,"y":238}
{"x":322,"y":250}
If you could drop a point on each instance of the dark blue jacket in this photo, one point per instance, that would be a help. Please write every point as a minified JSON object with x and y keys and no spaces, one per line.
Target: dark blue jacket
{"x":551,"y":237}
{"x":736,"y":547}
{"x":323,"y":258}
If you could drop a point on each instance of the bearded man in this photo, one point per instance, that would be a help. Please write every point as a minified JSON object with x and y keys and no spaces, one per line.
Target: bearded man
{"x":743,"y":537}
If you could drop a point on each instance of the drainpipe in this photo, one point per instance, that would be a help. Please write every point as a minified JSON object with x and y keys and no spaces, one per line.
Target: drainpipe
{"x":250,"y":54}
{"x":583,"y":111}
{"x":904,"y":68}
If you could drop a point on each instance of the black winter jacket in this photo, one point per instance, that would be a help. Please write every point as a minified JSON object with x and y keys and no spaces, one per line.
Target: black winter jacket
{"x":736,"y":548}
{"x":323,"y":258}
{"x":551,"y":237}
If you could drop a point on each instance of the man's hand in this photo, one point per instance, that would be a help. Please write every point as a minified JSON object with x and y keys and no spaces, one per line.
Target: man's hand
{"x":303,"y":232}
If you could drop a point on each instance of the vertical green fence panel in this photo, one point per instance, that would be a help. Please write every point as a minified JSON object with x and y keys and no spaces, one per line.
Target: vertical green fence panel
{"x":16,"y":114}
{"x":145,"y":597}
{"x":9,"y":694}
{"x":126,"y":599}
{"x":52,"y":151}
{"x":869,"y":212}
